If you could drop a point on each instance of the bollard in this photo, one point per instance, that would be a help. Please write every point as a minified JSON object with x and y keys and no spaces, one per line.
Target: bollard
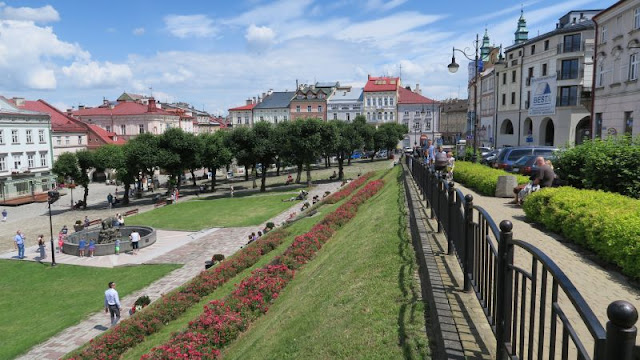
{"x":468,"y":241}
{"x":450,"y":209}
{"x":621,"y":330}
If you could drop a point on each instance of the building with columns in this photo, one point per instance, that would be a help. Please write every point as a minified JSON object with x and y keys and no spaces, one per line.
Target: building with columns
{"x":380,"y":99}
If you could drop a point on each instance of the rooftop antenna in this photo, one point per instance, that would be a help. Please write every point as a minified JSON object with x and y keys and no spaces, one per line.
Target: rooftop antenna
{"x":150,"y":91}
{"x":400,"y":70}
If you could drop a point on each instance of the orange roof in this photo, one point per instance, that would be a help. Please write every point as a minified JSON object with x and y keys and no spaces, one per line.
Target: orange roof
{"x":382,"y":83}
{"x":122,"y":108}
{"x":245,"y":107}
{"x":409,"y":97}
{"x":106,"y":136}
{"x":60,"y":122}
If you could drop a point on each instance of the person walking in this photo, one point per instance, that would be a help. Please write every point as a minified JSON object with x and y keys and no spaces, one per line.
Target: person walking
{"x":4,"y":215}
{"x":86,"y":222}
{"x":41,"y":248}
{"x":112,"y":303}
{"x":135,"y":239}
{"x":19,"y":240}
{"x":110,"y":200}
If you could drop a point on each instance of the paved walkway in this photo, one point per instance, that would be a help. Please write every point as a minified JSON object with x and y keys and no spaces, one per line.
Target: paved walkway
{"x":196,"y":249}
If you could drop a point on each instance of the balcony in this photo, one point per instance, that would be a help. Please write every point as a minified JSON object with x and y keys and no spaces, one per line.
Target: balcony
{"x":570,"y":49}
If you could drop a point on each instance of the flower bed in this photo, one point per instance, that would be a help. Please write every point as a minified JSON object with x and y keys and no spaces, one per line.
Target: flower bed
{"x":605,"y":223}
{"x":481,"y":178}
{"x":223,"y":320}
{"x":347,"y":190}
{"x":133,"y":330}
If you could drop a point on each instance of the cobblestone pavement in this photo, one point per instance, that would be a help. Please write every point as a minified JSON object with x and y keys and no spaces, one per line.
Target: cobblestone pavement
{"x":192,"y":254}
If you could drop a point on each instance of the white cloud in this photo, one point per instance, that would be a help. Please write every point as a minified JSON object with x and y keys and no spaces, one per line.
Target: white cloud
{"x":93,"y":74}
{"x":260,"y":38}
{"x":389,"y":27}
{"x":138,"y":31}
{"x":381,"y":5}
{"x":43,"y":14}
{"x":184,"y":26}
{"x":276,"y":12}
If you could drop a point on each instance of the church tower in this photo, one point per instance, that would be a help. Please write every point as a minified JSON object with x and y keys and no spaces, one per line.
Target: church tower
{"x":485,"y":49}
{"x":522,"y":34}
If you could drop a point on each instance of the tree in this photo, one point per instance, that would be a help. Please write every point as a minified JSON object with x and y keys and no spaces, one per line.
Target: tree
{"x":343,"y":143}
{"x":352,"y":137}
{"x":308,"y":143}
{"x":112,"y":157}
{"x":282,"y":135}
{"x":328,"y":139}
{"x":85,"y":162}
{"x":241,"y":141}
{"x":215,"y":153}
{"x":388,"y":135}
{"x":66,"y":166}
{"x":265,"y":148}
{"x":184,"y":146}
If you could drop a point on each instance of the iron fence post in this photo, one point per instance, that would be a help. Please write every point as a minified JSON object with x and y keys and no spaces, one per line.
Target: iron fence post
{"x":621,"y":331}
{"x":468,"y":241}
{"x":504,"y":289}
{"x":439,"y":190}
{"x":450,"y":219}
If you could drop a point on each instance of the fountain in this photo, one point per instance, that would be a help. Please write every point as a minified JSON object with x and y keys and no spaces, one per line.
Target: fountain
{"x":105,"y":238}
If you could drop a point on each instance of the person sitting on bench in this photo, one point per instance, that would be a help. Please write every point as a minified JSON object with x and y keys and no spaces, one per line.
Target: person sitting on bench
{"x":333,"y":176}
{"x":289,"y":180}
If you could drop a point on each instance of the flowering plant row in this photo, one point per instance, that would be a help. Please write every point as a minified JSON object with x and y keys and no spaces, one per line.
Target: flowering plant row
{"x":223,"y":320}
{"x":347,"y":190}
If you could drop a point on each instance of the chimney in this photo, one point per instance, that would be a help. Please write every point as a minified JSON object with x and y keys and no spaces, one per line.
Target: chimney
{"x":270,"y":92}
{"x":264,"y":95}
{"x":249,"y":101}
{"x":255,"y":101}
{"x":19,"y":101}
{"x":297,"y":85}
{"x":105,"y":101}
{"x":259,"y":99}
{"x":80,"y":107}
{"x":417,"y":90}
{"x":152,"y":105}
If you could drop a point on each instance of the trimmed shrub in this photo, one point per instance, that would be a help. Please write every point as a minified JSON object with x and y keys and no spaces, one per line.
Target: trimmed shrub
{"x":481,"y":178}
{"x":606,"y":223}
{"x":610,"y":165}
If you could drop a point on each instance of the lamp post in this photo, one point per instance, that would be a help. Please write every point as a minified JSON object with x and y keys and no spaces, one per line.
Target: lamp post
{"x":53,"y":196}
{"x":453,"y":67}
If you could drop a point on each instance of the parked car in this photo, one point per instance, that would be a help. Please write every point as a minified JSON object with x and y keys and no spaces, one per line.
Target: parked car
{"x":489,"y":157}
{"x":356,"y":154}
{"x":483,"y":150}
{"x":408,"y":150}
{"x":511,"y":154}
{"x":382,"y":154}
{"x":526,"y":160}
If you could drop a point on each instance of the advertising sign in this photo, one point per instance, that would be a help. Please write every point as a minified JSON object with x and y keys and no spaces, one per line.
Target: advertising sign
{"x":543,"y":97}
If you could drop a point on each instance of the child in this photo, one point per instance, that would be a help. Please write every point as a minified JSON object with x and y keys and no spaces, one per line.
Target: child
{"x":451,"y":163}
{"x":4,"y":215}
{"x":259,"y":234}
{"x":60,"y":241}
{"x":81,"y":246}
{"x":92,"y":247}
{"x":117,"y":246}
{"x":41,"y":248}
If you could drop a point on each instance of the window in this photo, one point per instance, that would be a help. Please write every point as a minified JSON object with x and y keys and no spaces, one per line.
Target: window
{"x":569,"y":69}
{"x":390,"y":101}
{"x":348,"y":116}
{"x":309,"y":108}
{"x":571,"y":43}
{"x":546,"y":45}
{"x":109,"y":128}
{"x":58,"y":140}
{"x":385,"y":116}
{"x":284,"y":118}
{"x":246,"y":120}
{"x":504,"y":99}
{"x":40,"y":136}
{"x":67,"y":140}
{"x":379,"y":116}
{"x":123,"y":129}
{"x":600,"y":74}
{"x":297,"y":108}
{"x":14,"y":136}
{"x":628,"y":123}
{"x":513,"y":76}
{"x":529,"y":76}
{"x":43,"y":159}
{"x":29,"y":137}
{"x":504,"y":78}
{"x":603,"y":33}
{"x":528,"y":99}
{"x":335,"y":116}
{"x":598,"y":126}
{"x":417,"y":112}
{"x":3,"y":163}
{"x":261,"y":118}
{"x":510,"y":56}
{"x":319,"y":108}
{"x":368,"y":116}
{"x":275,"y":119}
{"x":386,"y":102}
{"x":533,"y":49}
{"x":544,"y":69}
{"x":406,"y":113}
{"x":16,"y":162}
{"x":368,"y":101}
{"x":391,"y":116}
{"x":634,"y":59}
{"x":1,"y":136}
{"x":636,"y":18}
{"x":513,"y":98}
{"x":238,"y":119}
{"x":141,"y":128}
{"x":568,"y":95}
{"x":79,"y":140}
{"x":379,"y":101}
{"x":30,"y":161}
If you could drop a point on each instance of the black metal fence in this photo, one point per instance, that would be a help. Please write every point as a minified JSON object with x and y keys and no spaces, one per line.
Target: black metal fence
{"x":534,"y":310}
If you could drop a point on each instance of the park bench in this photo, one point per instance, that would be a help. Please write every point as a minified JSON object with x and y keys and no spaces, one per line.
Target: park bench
{"x":160,"y":202}
{"x":131,"y":212}
{"x":95,"y":222}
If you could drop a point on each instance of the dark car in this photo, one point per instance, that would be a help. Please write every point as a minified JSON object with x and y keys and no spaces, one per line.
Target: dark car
{"x":522,"y":163}
{"x":488,"y":157}
{"x":509,"y":155}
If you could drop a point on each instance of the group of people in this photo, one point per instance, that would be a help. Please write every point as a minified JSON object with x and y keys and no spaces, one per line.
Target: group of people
{"x":19,"y":242}
{"x":253,"y":237}
{"x":441,"y":161}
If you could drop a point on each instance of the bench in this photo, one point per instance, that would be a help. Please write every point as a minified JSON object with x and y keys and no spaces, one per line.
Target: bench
{"x":131,"y":212}
{"x":95,"y":222}
{"x":160,"y":203}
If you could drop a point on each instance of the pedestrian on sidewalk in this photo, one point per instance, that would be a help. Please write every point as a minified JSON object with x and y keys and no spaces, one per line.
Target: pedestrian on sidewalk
{"x":4,"y":215}
{"x":86,"y":222}
{"x":110,"y":200}
{"x":135,"y":239}
{"x":112,"y":303}
{"x":117,"y":246}
{"x":41,"y":248}
{"x":19,"y":240}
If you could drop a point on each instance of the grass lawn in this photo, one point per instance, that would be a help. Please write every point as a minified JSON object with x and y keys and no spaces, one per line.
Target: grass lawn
{"x":181,"y":323}
{"x":359,"y":299}
{"x":38,"y":301}
{"x":200,"y":214}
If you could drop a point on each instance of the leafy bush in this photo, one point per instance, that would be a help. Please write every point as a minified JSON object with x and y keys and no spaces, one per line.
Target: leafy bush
{"x":481,"y":178}
{"x":610,"y":165}
{"x":605,"y":223}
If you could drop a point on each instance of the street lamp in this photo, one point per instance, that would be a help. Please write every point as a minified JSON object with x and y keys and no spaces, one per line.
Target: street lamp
{"x":453,"y":67}
{"x":53,"y":196}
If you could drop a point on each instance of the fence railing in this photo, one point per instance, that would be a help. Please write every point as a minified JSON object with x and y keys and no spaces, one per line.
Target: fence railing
{"x":534,"y":310}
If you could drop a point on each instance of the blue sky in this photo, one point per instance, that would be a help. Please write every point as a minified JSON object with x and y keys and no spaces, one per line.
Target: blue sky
{"x":215,"y":54}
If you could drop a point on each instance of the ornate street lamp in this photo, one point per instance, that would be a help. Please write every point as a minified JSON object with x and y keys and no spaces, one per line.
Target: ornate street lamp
{"x":453,"y":67}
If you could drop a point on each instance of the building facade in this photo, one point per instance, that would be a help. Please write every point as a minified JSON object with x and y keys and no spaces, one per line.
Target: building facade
{"x":453,"y":120}
{"x":26,"y":154}
{"x":616,"y":89}
{"x":420,"y":114}
{"x":274,"y":107}
{"x":345,"y":104}
{"x":242,"y":115}
{"x":380,"y":96}
{"x":309,"y":102}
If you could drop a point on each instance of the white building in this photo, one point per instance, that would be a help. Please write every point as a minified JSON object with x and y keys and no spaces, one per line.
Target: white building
{"x":242,"y":115}
{"x":274,"y":107}
{"x":345,"y":104}
{"x":380,"y":99}
{"x":420,"y":114}
{"x":26,"y":154}
{"x":545,"y":88}
{"x":616,"y":88}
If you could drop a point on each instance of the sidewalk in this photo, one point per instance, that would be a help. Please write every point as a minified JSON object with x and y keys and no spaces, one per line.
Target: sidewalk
{"x":193,"y":253}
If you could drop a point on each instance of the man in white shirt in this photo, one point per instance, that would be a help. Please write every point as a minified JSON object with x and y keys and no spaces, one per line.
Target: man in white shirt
{"x":112,"y":303}
{"x":135,"y":239}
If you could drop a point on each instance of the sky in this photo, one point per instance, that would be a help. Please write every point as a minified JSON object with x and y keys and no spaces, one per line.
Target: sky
{"x":215,"y":54}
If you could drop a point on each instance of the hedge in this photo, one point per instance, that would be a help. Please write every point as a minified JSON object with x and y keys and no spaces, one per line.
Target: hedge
{"x":606,"y":223}
{"x":481,"y":178}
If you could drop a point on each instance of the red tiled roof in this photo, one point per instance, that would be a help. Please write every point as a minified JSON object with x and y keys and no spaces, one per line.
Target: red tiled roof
{"x":105,"y":136}
{"x":122,"y":108}
{"x":60,"y":122}
{"x":409,"y":97}
{"x":245,"y":107}
{"x":220,"y":121}
{"x":382,"y":83}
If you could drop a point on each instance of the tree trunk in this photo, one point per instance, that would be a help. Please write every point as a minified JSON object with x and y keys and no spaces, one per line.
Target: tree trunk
{"x":125,"y":198}
{"x":86,"y":194}
{"x":278,"y":164}
{"x":349,"y":159}
{"x":308,"y":174}
{"x":263,"y":184}
{"x":213,"y":179}
{"x":254,"y":175}
{"x":246,"y":173}
{"x":299,"y":176}
{"x":340,"y":166}
{"x":326,"y":162}
{"x":193,"y":177}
